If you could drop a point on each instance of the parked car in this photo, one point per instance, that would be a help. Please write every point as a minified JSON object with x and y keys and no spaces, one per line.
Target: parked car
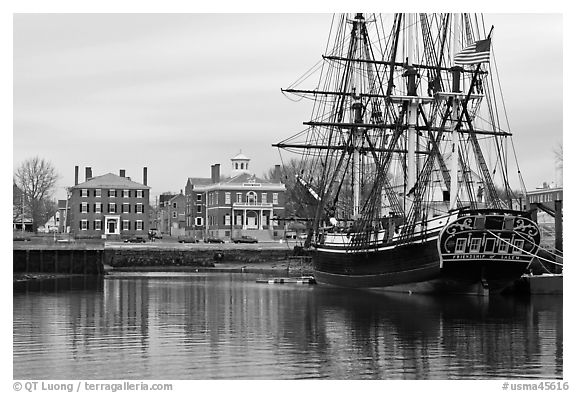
{"x":187,"y":239}
{"x":244,"y":239}
{"x":135,"y":239}
{"x":155,"y":233}
{"x":213,"y":240}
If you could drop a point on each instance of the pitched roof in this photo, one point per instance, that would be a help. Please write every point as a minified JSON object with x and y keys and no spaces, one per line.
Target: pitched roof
{"x":240,"y":156}
{"x":200,"y":181}
{"x":111,"y":180}
{"x":245,"y":178}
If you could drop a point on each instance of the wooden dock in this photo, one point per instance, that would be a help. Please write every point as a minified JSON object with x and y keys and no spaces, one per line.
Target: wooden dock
{"x":308,"y":280}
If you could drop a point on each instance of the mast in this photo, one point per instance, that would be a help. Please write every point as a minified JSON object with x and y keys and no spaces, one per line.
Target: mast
{"x":411,"y":75}
{"x":455,"y":105}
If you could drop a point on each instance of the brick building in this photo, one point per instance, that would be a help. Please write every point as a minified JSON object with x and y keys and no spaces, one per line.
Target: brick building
{"x":109,"y":206}
{"x":241,"y":204}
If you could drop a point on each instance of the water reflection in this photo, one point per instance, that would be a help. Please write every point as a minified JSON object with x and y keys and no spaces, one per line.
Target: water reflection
{"x":228,"y":326}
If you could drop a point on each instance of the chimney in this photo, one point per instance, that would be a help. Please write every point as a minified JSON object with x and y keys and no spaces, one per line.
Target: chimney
{"x":277,"y":174}
{"x":122,"y":173}
{"x":76,"y":175}
{"x":145,"y":175}
{"x":88,"y":173}
{"x":215,"y":173}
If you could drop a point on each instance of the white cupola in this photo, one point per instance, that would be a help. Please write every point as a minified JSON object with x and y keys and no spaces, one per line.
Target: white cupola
{"x":239,"y":164}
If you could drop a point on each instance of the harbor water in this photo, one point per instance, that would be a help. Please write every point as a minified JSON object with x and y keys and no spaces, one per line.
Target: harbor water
{"x":227,"y":326}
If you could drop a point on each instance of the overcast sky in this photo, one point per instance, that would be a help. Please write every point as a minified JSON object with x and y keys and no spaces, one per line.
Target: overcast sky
{"x":179,"y":92}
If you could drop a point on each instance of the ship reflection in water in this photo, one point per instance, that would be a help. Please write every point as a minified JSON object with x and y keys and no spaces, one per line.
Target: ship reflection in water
{"x":220,"y":326}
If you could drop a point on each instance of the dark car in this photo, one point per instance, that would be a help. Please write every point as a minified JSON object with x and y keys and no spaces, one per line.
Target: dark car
{"x":135,"y":239}
{"x":187,"y":239}
{"x":244,"y":239}
{"x":213,"y":240}
{"x":155,"y":233}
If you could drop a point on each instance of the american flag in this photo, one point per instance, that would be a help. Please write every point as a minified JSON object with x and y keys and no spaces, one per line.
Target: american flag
{"x":478,"y":52}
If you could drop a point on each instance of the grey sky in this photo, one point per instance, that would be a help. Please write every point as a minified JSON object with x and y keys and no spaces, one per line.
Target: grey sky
{"x":179,"y":92}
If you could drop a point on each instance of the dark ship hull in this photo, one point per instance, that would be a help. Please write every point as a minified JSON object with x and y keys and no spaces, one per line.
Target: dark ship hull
{"x":475,"y":252}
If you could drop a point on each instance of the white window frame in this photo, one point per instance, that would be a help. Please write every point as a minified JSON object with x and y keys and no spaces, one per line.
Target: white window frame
{"x":114,"y":210}
{"x":125,"y":193}
{"x":503,"y":247}
{"x":97,"y":225}
{"x":199,"y":221}
{"x":238,"y":197}
{"x":475,"y":244}
{"x":139,"y":225}
{"x":112,"y":193}
{"x":227,"y":219}
{"x":227,"y":198}
{"x":98,"y":207}
{"x":519,"y":246}
{"x":83,"y":225}
{"x":198,"y":208}
{"x":84,"y":192}
{"x":198,"y":197}
{"x":264,"y":197}
{"x":174,"y":214}
{"x":125,"y":225}
{"x":139,"y":193}
{"x":139,"y":208}
{"x":275,"y":198}
{"x":84,"y":207}
{"x":460,"y":247}
{"x":98,"y":193}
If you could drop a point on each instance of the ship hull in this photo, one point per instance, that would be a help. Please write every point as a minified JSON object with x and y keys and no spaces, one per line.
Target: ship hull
{"x":449,"y":260}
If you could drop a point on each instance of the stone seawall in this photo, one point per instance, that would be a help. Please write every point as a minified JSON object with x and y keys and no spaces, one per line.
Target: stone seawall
{"x":144,"y":257}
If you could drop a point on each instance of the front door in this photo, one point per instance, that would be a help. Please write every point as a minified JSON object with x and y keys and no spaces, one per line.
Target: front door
{"x":251,"y":220}
{"x":111,"y":226}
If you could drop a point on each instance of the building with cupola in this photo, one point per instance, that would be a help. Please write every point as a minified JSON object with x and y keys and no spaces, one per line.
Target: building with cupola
{"x":234,"y":205}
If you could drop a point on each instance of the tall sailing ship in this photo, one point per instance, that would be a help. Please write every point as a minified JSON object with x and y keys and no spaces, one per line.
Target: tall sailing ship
{"x":404,"y":159}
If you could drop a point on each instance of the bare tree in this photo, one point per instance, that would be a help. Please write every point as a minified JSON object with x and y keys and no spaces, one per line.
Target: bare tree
{"x":36,"y":179}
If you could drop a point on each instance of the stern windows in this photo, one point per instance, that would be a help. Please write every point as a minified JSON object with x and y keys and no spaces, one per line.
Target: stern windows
{"x":460,"y":245}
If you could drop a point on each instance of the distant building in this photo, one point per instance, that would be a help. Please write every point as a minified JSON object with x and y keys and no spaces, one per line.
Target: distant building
{"x":242,"y":204}
{"x":172,"y":214}
{"x":109,"y":206}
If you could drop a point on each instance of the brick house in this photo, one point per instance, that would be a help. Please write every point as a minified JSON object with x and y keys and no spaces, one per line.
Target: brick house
{"x":242,"y":204}
{"x":109,"y":206}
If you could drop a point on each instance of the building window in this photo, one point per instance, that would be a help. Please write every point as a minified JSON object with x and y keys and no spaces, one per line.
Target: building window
{"x":112,"y":193}
{"x":84,"y":193}
{"x":460,"y":245}
{"x":199,"y":197}
{"x":98,"y":193}
{"x":227,"y":219}
{"x":84,"y":225}
{"x":239,"y":197}
{"x":139,"y":225}
{"x":174,"y":215}
{"x":125,"y":207}
{"x":264,"y":197}
{"x":199,"y":221}
{"x":139,"y":193}
{"x":251,"y":197}
{"x":98,"y":207}
{"x":275,"y":198}
{"x":111,"y":208}
{"x":125,"y":225}
{"x":475,"y":244}
{"x":139,"y":208}
{"x":198,"y":209}
{"x":98,"y":225}
{"x":227,"y":198}
{"x":84,"y":207}
{"x":125,"y":193}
